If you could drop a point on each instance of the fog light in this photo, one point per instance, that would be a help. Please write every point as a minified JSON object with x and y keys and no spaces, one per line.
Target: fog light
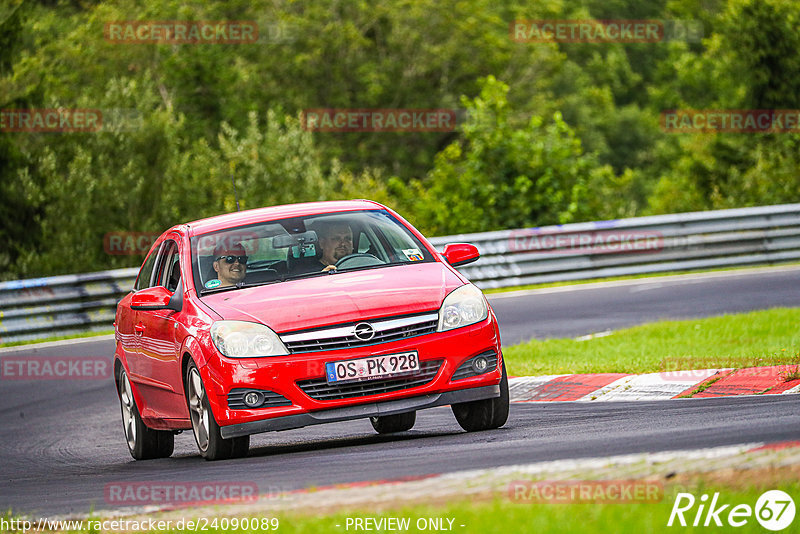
{"x":252,"y":399}
{"x":480,"y":364}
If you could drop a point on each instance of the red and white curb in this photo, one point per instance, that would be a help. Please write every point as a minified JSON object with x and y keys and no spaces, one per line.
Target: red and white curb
{"x":654,"y":386}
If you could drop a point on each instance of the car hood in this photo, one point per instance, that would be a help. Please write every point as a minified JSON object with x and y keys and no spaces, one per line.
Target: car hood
{"x":339,"y":298}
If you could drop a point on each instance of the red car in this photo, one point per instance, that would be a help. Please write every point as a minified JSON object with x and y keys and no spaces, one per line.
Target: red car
{"x":288,"y":316}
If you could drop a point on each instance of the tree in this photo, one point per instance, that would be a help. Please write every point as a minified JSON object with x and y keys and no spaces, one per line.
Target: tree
{"x":18,"y":211}
{"x":500,"y":177}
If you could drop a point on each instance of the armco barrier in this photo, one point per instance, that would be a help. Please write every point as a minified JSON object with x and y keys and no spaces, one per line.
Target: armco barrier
{"x":684,"y":241}
{"x":61,"y":305}
{"x":44,"y":307}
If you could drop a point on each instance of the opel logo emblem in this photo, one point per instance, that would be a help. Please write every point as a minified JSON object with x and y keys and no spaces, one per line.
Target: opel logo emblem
{"x":364,"y":331}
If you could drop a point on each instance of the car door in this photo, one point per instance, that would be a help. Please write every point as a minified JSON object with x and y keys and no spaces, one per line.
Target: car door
{"x":127,"y":328}
{"x":159,"y":345}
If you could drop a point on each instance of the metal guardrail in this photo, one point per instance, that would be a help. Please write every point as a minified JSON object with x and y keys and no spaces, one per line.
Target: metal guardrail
{"x":61,"y":305}
{"x":660,"y":243}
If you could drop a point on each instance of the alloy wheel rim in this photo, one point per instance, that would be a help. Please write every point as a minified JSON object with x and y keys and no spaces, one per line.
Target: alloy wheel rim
{"x":197,"y":410}
{"x":128,"y":418}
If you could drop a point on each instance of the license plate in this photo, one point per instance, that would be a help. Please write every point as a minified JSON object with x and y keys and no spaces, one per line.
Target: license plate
{"x":372,"y":368}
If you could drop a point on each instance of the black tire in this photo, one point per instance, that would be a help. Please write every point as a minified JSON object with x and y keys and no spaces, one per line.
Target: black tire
{"x":387,"y":424}
{"x":241,"y":446}
{"x":144,"y":443}
{"x":210,"y":443}
{"x":484,"y":414}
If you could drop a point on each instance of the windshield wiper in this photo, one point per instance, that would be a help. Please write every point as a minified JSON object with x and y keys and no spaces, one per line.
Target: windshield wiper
{"x":240,"y":285}
{"x":305,"y":275}
{"x":219,"y":289}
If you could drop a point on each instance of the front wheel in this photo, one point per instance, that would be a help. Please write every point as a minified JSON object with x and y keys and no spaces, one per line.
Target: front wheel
{"x":206,"y":430}
{"x":144,"y":443}
{"x":484,"y":414}
{"x":387,"y":424}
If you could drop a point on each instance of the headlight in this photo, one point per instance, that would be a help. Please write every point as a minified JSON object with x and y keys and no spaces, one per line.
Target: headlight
{"x":464,"y":306}
{"x":240,"y":339}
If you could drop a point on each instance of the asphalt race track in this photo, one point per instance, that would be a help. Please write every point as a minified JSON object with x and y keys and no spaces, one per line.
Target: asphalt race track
{"x":62,"y":441}
{"x":585,"y":310}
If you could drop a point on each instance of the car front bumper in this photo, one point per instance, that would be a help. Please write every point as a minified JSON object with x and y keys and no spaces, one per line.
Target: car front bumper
{"x":284,"y":376}
{"x":360,"y":411}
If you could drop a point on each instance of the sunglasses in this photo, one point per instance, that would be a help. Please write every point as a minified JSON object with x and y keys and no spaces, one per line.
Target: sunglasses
{"x":232,"y":259}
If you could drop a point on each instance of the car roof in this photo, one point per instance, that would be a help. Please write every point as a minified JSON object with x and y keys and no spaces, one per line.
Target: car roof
{"x":241,"y":218}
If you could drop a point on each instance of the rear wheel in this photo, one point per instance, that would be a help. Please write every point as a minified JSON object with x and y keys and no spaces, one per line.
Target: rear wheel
{"x":207,"y":434}
{"x":144,"y":443}
{"x":387,"y":424}
{"x":484,"y":414}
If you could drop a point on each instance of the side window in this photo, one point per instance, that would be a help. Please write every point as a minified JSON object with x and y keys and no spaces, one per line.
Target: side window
{"x":369,"y":242}
{"x":146,"y":272}
{"x":395,"y":239}
{"x":174,"y":273}
{"x":168,"y":269}
{"x":363,"y":243}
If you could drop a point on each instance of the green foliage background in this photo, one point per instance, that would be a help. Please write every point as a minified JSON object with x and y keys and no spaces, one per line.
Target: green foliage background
{"x":551,"y":133}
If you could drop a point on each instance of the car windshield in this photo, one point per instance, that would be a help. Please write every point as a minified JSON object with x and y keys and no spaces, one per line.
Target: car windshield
{"x":301,"y":247}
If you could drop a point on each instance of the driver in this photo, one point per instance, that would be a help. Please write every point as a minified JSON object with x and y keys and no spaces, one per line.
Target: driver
{"x":335,"y":238}
{"x":230,"y":264}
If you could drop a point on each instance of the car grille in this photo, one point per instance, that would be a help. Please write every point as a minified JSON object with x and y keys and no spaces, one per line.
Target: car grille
{"x":344,"y":336}
{"x":319,"y":389}
{"x":465,"y":370}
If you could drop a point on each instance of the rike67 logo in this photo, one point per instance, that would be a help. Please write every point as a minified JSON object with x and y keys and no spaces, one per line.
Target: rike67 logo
{"x":774,"y":510}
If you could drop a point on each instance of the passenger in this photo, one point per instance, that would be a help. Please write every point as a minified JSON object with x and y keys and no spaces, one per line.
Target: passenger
{"x":230,"y":264}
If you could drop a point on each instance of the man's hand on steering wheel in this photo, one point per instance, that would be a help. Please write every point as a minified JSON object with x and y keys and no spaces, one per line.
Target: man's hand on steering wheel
{"x":341,"y":261}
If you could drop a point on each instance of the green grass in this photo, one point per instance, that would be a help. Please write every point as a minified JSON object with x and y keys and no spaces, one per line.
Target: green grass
{"x":58,"y":338}
{"x":632,"y":277}
{"x":503,"y":516}
{"x":793,"y":374}
{"x":768,"y":337}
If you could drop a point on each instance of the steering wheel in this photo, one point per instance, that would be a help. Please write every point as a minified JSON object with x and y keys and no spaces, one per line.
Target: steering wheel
{"x":365,"y":260}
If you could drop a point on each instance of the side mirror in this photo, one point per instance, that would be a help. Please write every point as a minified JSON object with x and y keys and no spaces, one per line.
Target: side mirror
{"x":157,"y":298}
{"x":458,"y":254}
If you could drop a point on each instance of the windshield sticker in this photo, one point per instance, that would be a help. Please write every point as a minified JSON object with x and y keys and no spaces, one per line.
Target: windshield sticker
{"x":211,"y":284}
{"x":413,"y":254}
